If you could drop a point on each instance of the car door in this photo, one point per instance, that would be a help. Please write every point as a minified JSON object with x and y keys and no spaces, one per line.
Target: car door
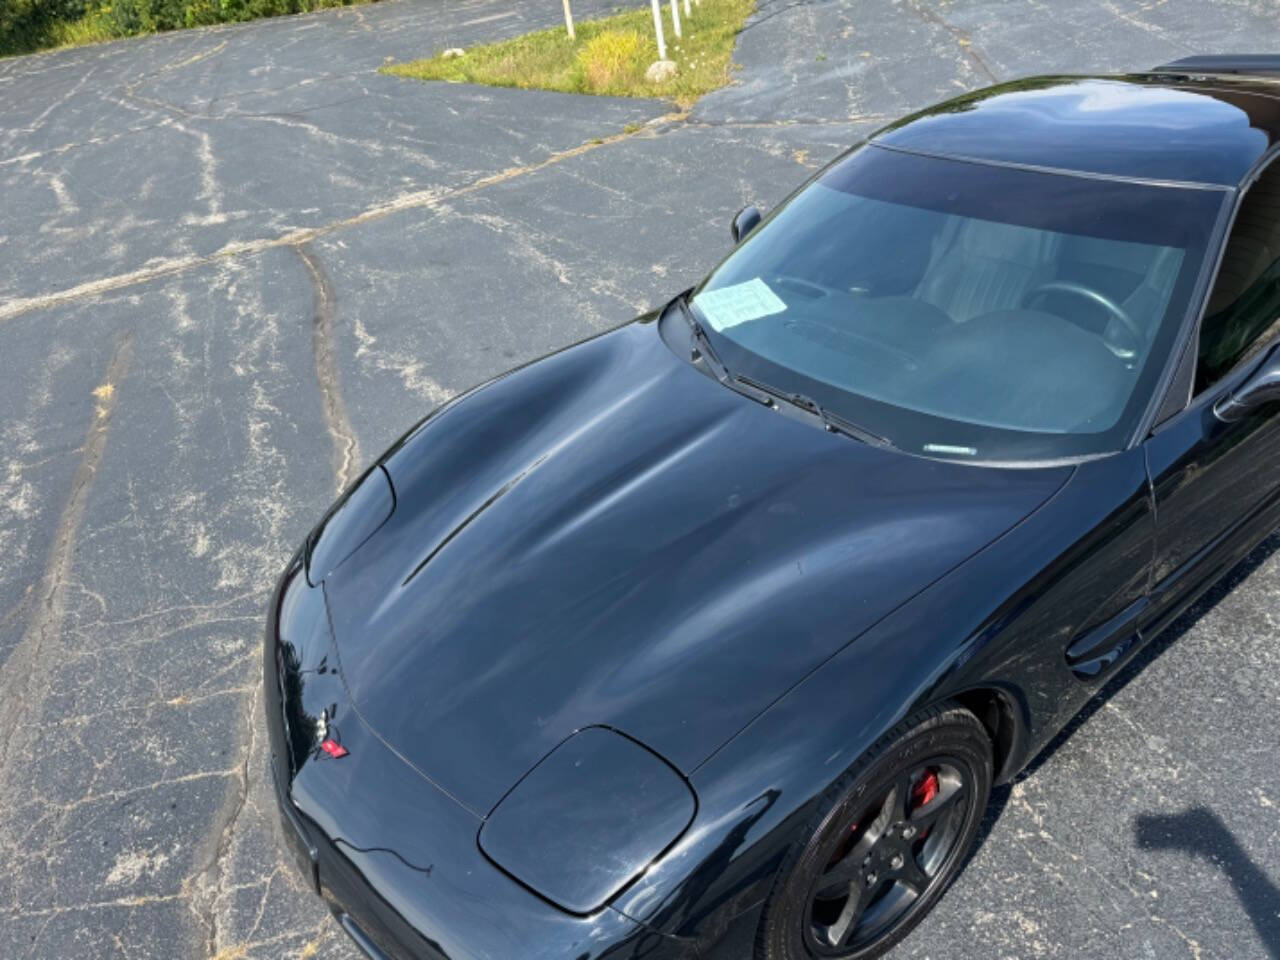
{"x":1216,"y":481}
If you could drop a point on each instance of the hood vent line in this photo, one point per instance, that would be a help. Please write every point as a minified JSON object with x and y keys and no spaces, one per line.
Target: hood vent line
{"x":494,"y":498}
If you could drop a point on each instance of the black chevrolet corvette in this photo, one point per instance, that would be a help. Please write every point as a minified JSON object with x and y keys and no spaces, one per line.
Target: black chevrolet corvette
{"x":711,"y":634}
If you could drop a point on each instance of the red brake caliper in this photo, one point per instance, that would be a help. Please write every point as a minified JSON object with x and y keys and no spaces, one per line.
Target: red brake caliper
{"x":923,"y":792}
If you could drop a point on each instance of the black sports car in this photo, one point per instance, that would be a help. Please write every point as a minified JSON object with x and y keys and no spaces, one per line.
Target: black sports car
{"x":717,"y":629}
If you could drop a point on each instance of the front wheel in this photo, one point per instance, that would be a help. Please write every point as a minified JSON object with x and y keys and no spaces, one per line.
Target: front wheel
{"x":888,"y":838}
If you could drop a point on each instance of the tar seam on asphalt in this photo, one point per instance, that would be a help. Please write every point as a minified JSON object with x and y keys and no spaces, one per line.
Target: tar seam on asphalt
{"x":963,"y":38}
{"x":429,"y":199}
{"x":21,"y":673}
{"x":346,"y":446}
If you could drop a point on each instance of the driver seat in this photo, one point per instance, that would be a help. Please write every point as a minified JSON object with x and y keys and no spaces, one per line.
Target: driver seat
{"x":985,"y":267}
{"x":1147,"y":304}
{"x":1137,"y":277}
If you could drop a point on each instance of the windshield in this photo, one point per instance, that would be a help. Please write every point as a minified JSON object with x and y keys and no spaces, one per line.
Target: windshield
{"x":965,"y":310}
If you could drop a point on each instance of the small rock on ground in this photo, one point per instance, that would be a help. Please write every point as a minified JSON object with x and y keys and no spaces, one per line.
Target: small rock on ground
{"x":660,"y":71}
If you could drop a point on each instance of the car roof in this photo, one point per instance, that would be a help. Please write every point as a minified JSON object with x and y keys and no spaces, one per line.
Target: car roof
{"x":1167,"y":127}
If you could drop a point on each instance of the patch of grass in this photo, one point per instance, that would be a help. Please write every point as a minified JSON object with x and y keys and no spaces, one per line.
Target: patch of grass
{"x":609,"y":56}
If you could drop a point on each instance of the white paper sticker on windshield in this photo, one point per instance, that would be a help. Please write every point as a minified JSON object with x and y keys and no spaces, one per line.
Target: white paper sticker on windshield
{"x":730,"y":306}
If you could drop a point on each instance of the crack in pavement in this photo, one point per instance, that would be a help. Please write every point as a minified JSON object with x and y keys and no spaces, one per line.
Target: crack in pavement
{"x":346,"y":446}
{"x":23,"y":159}
{"x":1150,"y":28}
{"x":211,"y":880}
{"x":963,"y":37}
{"x":418,"y":199}
{"x":23,"y":671}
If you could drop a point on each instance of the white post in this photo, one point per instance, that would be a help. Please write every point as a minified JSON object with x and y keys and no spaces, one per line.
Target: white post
{"x":657,"y":27}
{"x":568,"y":19}
{"x":687,"y":11}
{"x":675,"y":17}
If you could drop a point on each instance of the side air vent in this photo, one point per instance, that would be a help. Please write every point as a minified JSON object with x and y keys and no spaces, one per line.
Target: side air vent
{"x":1097,"y":650}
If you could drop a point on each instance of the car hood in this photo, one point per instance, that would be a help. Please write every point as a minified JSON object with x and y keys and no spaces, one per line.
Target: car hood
{"x":610,"y":537}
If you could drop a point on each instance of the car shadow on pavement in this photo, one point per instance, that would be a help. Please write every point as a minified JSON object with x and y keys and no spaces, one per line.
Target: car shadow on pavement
{"x":1180,"y":627}
{"x":1201,"y":832}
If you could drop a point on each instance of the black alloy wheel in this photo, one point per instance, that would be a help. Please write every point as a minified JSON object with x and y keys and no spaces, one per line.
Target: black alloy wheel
{"x":889,"y":838}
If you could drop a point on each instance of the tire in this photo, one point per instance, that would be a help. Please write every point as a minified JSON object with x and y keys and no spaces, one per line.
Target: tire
{"x":886,"y":841}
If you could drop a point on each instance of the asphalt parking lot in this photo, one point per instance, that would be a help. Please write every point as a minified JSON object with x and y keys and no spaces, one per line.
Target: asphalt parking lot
{"x":237,"y":263}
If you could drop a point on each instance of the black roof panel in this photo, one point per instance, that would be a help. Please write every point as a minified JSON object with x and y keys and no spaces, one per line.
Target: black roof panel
{"x":1148,"y":126}
{"x":1255,"y":64}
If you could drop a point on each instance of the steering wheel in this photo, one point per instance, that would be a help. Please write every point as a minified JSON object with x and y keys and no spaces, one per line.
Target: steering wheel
{"x":1107,"y":304}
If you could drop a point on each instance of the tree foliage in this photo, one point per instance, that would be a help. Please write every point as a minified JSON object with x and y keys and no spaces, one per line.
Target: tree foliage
{"x":29,"y":18}
{"x":31,"y":24}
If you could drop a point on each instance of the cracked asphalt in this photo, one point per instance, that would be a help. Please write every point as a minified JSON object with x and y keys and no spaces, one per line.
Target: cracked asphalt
{"x":238,"y":262}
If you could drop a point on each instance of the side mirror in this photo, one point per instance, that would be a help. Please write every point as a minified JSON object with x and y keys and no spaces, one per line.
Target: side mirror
{"x":1262,"y":387}
{"x":744,"y":221}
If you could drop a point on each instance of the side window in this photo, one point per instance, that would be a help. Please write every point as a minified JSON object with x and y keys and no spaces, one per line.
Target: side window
{"x":1243,"y":314}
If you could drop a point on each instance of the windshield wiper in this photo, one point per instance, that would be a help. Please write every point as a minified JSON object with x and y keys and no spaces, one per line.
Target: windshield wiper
{"x":702,"y":342}
{"x":833,"y":422}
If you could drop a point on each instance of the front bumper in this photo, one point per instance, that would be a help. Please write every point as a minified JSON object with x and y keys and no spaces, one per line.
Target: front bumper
{"x":394,"y":857}
{"x":306,"y":854}
{"x":342,"y":891}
